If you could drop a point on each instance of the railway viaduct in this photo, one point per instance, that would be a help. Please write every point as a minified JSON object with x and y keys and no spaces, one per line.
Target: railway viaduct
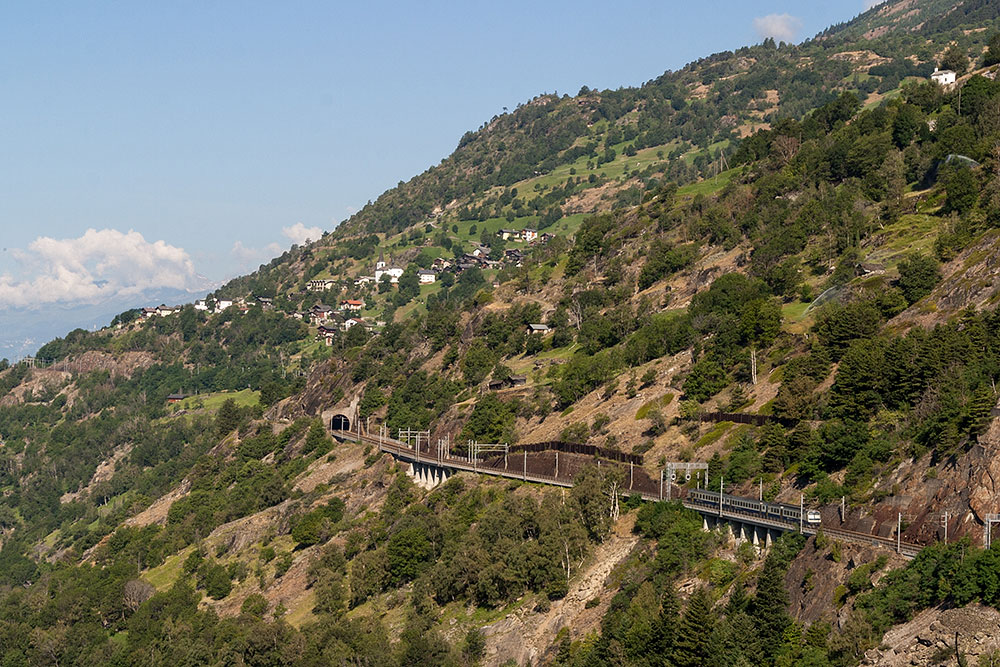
{"x":432,"y":463}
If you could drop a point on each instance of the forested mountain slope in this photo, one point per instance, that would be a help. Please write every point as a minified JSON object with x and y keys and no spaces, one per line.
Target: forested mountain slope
{"x":802,"y":232}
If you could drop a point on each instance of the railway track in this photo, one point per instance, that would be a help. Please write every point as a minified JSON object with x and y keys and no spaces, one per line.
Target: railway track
{"x":729,"y":510}
{"x":905,"y":549}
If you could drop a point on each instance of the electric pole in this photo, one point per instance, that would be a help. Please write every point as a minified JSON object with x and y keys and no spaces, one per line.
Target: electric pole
{"x":802,"y":504}
{"x":721,"y":480}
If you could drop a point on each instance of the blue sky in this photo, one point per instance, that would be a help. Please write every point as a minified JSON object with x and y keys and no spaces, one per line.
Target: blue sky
{"x":199,"y":139}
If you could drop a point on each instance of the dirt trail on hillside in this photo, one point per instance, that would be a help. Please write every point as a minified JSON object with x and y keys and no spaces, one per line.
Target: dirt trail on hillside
{"x":526,"y":635}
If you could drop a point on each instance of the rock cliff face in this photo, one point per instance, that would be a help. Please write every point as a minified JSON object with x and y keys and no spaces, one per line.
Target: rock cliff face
{"x":930,"y":639}
{"x":964,"y":486}
{"x":983,"y":496}
{"x":813,"y":577}
{"x":124,"y":364}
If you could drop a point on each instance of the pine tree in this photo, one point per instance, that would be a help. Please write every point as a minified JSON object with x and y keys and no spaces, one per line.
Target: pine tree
{"x":770,"y":604}
{"x":228,"y":417}
{"x":980,"y":409}
{"x":664,"y":634}
{"x":738,"y":601}
{"x":565,"y":654}
{"x":992,"y":56}
{"x":817,"y":634}
{"x":734,"y":641}
{"x":694,"y":632}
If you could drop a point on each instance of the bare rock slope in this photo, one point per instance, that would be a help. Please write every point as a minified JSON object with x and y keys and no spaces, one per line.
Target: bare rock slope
{"x":929,"y":637}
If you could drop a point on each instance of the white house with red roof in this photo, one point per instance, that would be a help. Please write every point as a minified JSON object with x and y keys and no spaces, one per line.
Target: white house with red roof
{"x":352,"y":305}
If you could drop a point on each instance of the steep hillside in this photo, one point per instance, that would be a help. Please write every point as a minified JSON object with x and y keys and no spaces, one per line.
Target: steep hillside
{"x":802,"y":235}
{"x":696,"y":112}
{"x":930,"y":17}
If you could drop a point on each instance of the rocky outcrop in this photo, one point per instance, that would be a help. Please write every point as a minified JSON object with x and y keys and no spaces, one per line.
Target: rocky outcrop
{"x":123,"y":365}
{"x":972,"y":279}
{"x":814,"y":575}
{"x":38,"y":383}
{"x":104,"y":472}
{"x":985,"y":485}
{"x":963,"y":486}
{"x":930,"y":638}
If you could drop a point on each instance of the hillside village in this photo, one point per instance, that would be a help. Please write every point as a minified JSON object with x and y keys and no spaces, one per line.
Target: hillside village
{"x":330,"y":321}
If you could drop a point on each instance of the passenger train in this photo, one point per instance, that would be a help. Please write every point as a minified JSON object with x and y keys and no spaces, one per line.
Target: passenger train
{"x":737,"y":504}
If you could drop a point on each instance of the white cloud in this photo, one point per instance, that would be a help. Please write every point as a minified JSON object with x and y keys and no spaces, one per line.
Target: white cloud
{"x":872,"y":3}
{"x":299,"y":233}
{"x":243,"y":253}
{"x":781,"y":27}
{"x":96,"y":266}
{"x":250,"y":258}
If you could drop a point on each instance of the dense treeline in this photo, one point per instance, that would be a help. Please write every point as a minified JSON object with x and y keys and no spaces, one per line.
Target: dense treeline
{"x":479,"y":546}
{"x":487,"y":545}
{"x":227,"y":351}
{"x":647,"y":623}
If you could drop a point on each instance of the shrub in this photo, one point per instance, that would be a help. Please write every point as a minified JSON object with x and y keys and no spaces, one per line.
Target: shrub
{"x":706,"y":379}
{"x":282,"y":564}
{"x":917,"y":277}
{"x":216,"y":580}
{"x":317,"y":526}
{"x":254,"y":605}
{"x":600,"y":421}
{"x":575,"y":432}
{"x":474,"y":646}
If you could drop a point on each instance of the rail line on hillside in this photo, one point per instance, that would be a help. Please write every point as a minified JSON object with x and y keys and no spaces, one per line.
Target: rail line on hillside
{"x":734,"y":509}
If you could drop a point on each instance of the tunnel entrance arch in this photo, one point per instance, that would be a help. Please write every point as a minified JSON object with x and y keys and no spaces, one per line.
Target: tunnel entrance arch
{"x":340,"y":423}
